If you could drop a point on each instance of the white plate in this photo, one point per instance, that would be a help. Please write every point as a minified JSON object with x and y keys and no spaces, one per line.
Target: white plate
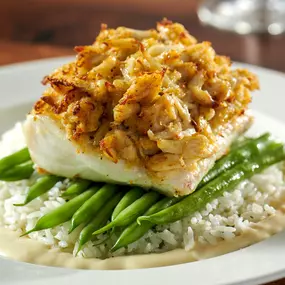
{"x":262,"y":262}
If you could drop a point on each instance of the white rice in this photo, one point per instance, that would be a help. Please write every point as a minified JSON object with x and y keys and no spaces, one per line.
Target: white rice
{"x":222,"y":219}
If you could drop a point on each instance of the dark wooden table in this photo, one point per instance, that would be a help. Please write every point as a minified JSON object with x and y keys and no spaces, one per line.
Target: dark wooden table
{"x":12,"y":52}
{"x":24,"y":41}
{"x":69,"y":23}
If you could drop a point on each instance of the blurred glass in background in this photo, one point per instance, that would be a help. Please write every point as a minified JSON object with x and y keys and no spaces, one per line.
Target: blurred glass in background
{"x":244,"y":16}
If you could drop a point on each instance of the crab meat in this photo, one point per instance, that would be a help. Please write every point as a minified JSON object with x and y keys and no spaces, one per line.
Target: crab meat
{"x":51,"y":149}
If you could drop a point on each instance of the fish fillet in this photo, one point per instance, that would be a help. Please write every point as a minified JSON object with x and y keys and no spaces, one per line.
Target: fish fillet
{"x":51,"y":150}
{"x":150,"y":108}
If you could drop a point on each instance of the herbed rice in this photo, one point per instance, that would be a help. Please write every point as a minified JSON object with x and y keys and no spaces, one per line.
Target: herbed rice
{"x":222,"y":219}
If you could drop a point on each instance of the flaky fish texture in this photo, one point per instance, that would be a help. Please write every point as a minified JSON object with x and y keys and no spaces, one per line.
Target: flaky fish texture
{"x":151,"y":108}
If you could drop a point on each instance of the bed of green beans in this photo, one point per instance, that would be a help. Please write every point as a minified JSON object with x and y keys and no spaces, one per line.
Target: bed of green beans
{"x":99,"y":207}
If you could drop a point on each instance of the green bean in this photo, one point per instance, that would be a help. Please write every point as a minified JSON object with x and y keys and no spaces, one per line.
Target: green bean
{"x":18,"y":172}
{"x":135,"y":231}
{"x":16,"y":158}
{"x":132,"y":212}
{"x":61,"y":214}
{"x":130,"y":197}
{"x":226,"y":182}
{"x":76,"y":187}
{"x":240,"y":142}
{"x":101,"y":219}
{"x":43,"y":185}
{"x":250,"y":149}
{"x":85,"y":213}
{"x":127,"y":200}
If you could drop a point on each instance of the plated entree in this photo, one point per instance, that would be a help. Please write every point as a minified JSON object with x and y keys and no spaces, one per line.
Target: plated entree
{"x":138,"y":147}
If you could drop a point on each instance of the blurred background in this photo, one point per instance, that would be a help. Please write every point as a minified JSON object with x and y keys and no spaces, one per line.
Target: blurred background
{"x":33,"y":29}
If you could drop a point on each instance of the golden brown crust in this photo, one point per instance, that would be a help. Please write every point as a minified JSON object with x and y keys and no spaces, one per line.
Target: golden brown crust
{"x":147,"y":96}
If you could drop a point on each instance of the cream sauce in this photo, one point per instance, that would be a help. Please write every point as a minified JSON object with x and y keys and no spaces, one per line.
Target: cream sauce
{"x":31,"y":251}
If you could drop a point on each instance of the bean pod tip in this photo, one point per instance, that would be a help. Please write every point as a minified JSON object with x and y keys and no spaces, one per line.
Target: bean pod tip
{"x":28,"y":232}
